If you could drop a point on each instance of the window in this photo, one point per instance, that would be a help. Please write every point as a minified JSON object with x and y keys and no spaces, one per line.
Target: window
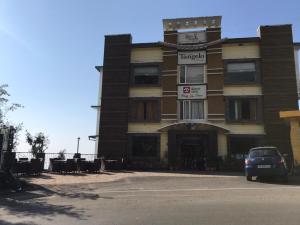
{"x":191,"y":74}
{"x":191,"y":109}
{"x":264,"y":152}
{"x":146,"y":74}
{"x":145,"y":146}
{"x":242,"y":109}
{"x":240,"y":72}
{"x":144,"y":110}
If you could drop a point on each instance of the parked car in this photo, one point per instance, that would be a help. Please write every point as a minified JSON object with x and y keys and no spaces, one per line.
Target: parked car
{"x":265,"y":162}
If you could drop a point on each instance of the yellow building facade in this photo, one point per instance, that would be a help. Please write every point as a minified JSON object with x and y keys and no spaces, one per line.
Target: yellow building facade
{"x":294,"y":119}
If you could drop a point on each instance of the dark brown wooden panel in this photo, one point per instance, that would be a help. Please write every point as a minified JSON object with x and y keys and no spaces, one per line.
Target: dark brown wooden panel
{"x":112,"y":118}
{"x":214,"y":61}
{"x":215,"y":81}
{"x":214,"y":116}
{"x":169,"y":83}
{"x":169,"y":105}
{"x":170,"y":37}
{"x":213,"y":34}
{"x":170,"y":63}
{"x":279,"y":82}
{"x":216,"y":105}
{"x":115,"y":94}
{"x":114,"y":104}
{"x":115,"y":90}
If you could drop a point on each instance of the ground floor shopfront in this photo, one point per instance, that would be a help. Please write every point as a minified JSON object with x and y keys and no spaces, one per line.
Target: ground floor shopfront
{"x":196,"y":146}
{"x":192,"y":149}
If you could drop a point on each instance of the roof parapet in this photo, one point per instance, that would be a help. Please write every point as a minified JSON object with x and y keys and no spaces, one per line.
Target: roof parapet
{"x":191,"y":23}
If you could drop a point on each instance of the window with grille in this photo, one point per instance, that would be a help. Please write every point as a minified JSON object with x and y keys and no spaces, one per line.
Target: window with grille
{"x":242,"y":109}
{"x":146,"y":74}
{"x":241,"y":72}
{"x":191,"y":74}
{"x":191,"y":110}
{"x":144,"y":110}
{"x":144,"y":146}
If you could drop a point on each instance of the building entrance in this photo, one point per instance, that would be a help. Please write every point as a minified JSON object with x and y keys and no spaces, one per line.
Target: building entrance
{"x":193,"y":151}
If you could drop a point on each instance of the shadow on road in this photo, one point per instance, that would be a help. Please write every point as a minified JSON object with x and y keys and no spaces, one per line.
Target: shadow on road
{"x":292,"y":181}
{"x":4,"y":222}
{"x":33,"y":202}
{"x":40,"y":176}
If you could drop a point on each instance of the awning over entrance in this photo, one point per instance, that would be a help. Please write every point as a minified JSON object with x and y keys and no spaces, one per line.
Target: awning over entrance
{"x":184,"y":125}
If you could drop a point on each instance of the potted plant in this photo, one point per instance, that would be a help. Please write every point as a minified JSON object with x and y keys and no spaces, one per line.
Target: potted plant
{"x":61,"y":154}
{"x":39,"y":144}
{"x":77,"y":156}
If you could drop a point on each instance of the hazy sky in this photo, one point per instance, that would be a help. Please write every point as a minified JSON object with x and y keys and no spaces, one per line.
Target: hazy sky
{"x":49,"y":48}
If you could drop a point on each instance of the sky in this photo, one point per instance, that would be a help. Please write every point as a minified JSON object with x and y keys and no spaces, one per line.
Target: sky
{"x":49,"y":50}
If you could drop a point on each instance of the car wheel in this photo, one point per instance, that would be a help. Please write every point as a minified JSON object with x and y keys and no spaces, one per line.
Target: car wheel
{"x":249,"y":178}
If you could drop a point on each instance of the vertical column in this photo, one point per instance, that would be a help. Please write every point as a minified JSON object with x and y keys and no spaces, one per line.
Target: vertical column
{"x":279,"y":82}
{"x":172,"y":149}
{"x":169,"y":79}
{"x":115,"y":93}
{"x":215,"y":77}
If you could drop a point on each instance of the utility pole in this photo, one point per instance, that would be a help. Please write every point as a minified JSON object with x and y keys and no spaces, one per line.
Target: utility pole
{"x":78,"y":139}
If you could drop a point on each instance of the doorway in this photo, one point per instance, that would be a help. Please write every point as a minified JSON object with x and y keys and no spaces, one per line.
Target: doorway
{"x":193,"y":152}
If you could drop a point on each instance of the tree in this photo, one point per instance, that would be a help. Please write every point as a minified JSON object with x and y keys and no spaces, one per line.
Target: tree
{"x":39,"y":142}
{"x":5,"y":108}
{"x":8,"y":158}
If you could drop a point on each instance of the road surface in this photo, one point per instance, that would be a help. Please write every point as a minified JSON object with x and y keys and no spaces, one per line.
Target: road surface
{"x":222,"y":200}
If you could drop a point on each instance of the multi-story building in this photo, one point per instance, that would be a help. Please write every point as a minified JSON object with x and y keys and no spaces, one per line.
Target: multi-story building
{"x":196,"y":96}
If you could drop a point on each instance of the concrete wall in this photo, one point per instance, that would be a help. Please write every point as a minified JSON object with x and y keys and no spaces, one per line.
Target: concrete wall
{"x":243,"y":51}
{"x":243,"y":128}
{"x":242,"y":90}
{"x":222,"y":144}
{"x":145,"y":55}
{"x":246,"y":129}
{"x":145,"y":92}
{"x":164,"y":147}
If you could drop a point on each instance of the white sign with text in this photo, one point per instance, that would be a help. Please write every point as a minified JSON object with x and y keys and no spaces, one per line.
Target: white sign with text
{"x":191,"y":37}
{"x":191,"y":91}
{"x":194,"y":57}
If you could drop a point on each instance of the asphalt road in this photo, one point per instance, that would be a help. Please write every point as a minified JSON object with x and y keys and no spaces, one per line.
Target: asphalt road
{"x":227,"y":200}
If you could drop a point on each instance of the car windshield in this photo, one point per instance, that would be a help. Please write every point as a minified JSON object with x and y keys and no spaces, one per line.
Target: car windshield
{"x":263,"y":152}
